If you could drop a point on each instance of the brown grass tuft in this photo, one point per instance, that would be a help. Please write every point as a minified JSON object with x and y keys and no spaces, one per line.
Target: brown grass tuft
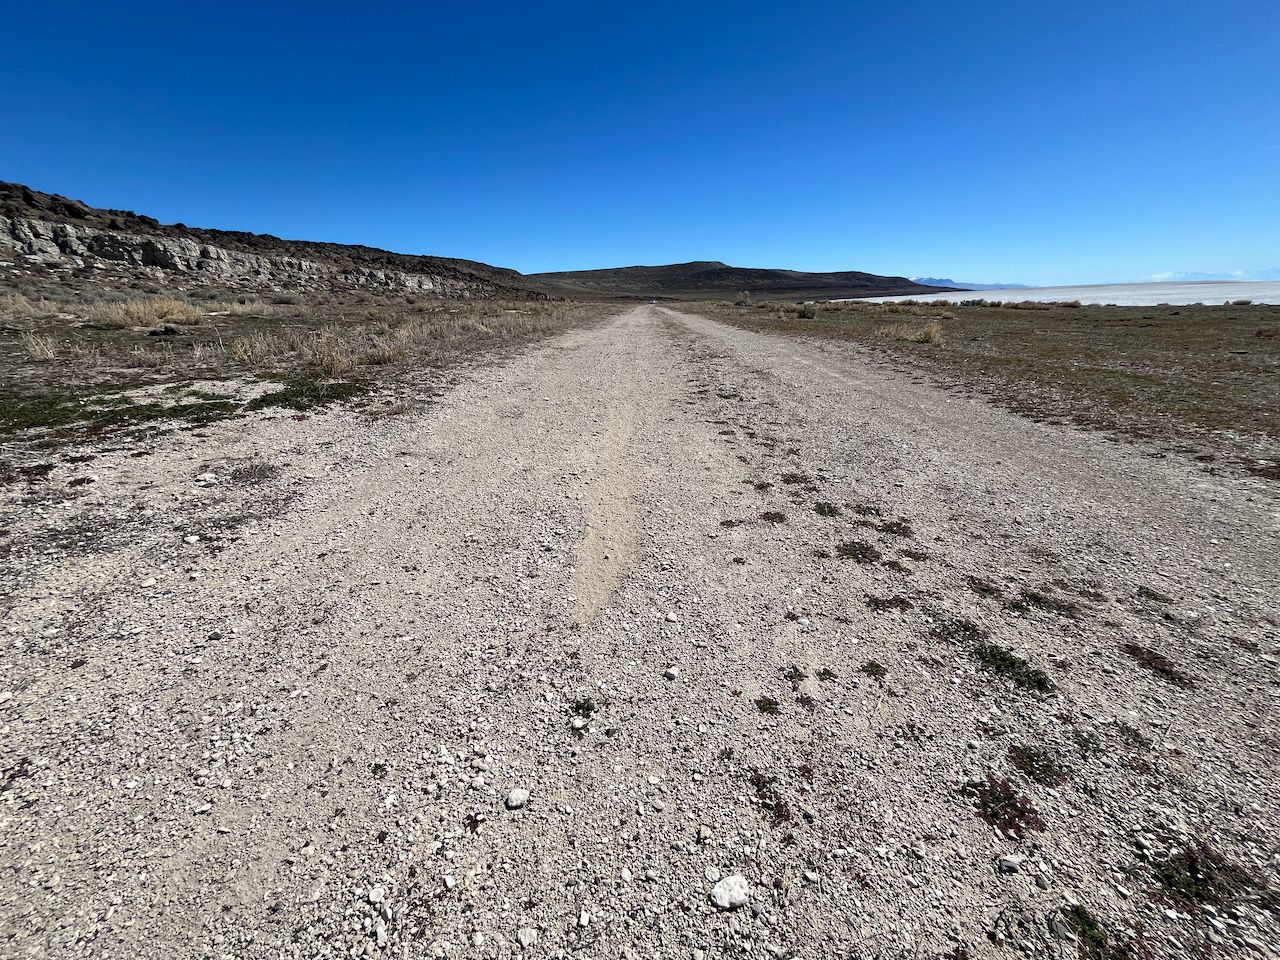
{"x":40,"y":346}
{"x":931,"y":332}
{"x":146,"y":312}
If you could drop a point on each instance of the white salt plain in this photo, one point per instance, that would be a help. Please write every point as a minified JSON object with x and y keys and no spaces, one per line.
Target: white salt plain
{"x":1122,"y":294}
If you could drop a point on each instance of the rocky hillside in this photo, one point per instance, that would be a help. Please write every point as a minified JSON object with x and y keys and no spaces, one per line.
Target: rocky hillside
{"x":713,"y":280}
{"x":41,"y":230}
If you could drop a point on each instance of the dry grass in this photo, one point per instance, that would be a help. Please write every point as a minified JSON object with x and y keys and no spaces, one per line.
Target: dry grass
{"x":251,"y":308}
{"x":16,"y":305}
{"x":40,"y":346}
{"x":146,"y":312}
{"x":930,"y":332}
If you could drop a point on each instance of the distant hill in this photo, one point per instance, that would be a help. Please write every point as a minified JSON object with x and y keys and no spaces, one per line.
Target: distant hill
{"x":959,"y":285}
{"x":713,"y":280}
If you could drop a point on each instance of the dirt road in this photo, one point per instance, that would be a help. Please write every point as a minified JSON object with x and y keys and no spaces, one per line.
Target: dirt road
{"x":930,"y":679}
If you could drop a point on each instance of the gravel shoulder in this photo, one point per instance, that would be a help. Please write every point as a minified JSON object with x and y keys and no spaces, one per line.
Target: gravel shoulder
{"x":794,"y":656}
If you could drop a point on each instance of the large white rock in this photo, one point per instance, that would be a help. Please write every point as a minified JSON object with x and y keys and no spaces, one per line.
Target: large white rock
{"x":731,"y":893}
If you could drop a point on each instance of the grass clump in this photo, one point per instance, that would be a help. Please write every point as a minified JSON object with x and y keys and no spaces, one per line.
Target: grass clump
{"x":773,"y":516}
{"x":40,"y":346}
{"x":824,"y":509}
{"x":768,"y":705}
{"x":930,"y":332}
{"x":146,"y":311}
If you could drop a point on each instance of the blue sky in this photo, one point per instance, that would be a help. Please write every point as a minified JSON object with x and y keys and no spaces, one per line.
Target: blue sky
{"x":1044,"y":142}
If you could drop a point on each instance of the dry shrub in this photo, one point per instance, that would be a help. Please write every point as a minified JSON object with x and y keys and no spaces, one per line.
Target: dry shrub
{"x":150,"y":358}
{"x":326,"y":351}
{"x":208,"y":354}
{"x":16,"y":305}
{"x":256,"y":349}
{"x":931,"y":332}
{"x":145,"y":312}
{"x":86,"y":354}
{"x":40,"y":346}
{"x":251,"y":308}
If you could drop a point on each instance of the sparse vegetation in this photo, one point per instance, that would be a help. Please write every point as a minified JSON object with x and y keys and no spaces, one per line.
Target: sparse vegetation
{"x":1159,"y":664}
{"x":768,"y":705}
{"x":1039,"y":765}
{"x":145,"y":312}
{"x":1197,"y":875}
{"x":1004,"y":662}
{"x":859,"y":551}
{"x":1092,"y":940}
{"x":997,"y":803}
{"x":1193,"y":379}
{"x":876,"y":671}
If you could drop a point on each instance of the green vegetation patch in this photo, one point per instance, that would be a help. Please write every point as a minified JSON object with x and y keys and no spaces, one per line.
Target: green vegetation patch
{"x":1002,"y":660}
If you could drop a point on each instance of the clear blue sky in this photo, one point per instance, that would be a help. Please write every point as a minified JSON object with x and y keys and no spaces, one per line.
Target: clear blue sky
{"x":1036,"y":141}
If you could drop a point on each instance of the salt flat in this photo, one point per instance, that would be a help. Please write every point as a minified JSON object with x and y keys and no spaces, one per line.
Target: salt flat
{"x":1124,"y":294}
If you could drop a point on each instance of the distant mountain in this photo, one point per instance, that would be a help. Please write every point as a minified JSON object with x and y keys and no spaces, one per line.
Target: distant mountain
{"x":1176,"y":277}
{"x":713,"y":280}
{"x":958,"y":285}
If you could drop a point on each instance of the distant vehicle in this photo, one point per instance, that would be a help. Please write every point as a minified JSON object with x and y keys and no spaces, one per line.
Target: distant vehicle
{"x":653,"y":301}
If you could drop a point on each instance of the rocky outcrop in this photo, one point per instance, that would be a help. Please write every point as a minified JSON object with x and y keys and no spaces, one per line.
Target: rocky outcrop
{"x":50,"y":241}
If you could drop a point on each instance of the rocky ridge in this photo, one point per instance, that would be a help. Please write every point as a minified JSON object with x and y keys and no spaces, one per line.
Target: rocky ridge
{"x":46,"y":230}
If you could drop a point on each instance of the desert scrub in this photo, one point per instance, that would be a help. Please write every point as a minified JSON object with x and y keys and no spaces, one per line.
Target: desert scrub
{"x":145,"y":312}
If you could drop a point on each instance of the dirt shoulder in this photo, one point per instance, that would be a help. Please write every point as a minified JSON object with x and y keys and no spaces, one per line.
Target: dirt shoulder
{"x":928,"y":677}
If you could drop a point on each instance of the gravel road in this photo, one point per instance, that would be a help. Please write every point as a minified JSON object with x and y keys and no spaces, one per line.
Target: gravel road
{"x":663,"y":639}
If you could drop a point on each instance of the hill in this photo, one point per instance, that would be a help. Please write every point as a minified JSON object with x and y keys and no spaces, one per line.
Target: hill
{"x":966,"y":285}
{"x":53,"y":228}
{"x":713,"y":280}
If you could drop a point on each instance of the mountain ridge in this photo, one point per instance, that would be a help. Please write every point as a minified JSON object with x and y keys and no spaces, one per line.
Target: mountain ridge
{"x":714,"y":279}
